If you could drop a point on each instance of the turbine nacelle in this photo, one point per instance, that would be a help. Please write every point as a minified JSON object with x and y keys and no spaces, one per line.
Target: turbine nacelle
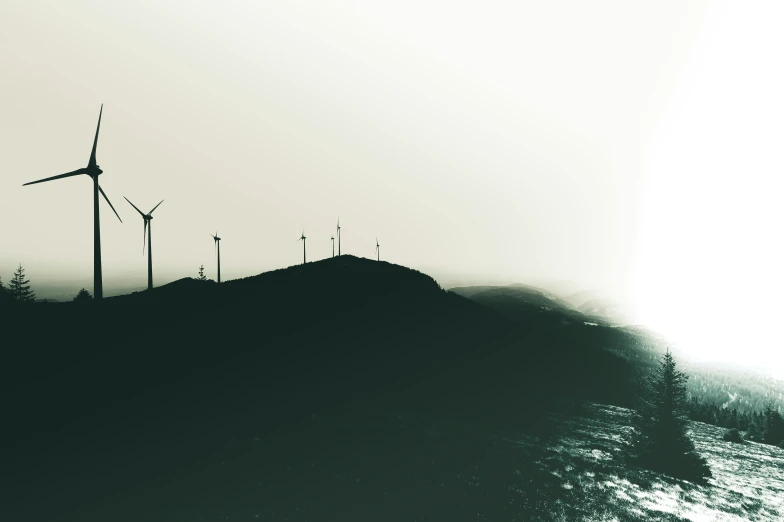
{"x":216,"y":240}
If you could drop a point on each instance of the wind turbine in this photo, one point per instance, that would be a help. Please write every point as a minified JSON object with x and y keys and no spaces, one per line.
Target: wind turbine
{"x":333,"y":245}
{"x":303,"y":238}
{"x":93,"y":170}
{"x":217,"y":244}
{"x":378,"y":251}
{"x":148,"y":237}
{"x":338,"y":236}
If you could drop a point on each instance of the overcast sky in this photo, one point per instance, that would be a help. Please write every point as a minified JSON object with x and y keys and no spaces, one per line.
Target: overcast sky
{"x":629,"y":146}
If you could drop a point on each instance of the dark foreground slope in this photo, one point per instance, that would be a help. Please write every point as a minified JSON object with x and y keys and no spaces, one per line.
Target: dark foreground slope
{"x":121,"y":410}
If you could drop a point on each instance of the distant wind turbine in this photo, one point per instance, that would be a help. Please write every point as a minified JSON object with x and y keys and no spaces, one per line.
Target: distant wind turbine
{"x":333,"y":245}
{"x":92,"y":170}
{"x":217,"y":245}
{"x":378,"y":251}
{"x":303,"y":238}
{"x":338,"y":236}
{"x":148,"y":237}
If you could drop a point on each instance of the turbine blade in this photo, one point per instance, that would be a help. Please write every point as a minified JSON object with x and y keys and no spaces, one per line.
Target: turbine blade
{"x":144,"y":241}
{"x":156,"y":206}
{"x":66,"y":175}
{"x":134,"y":206}
{"x":95,"y":143}
{"x":109,"y":202}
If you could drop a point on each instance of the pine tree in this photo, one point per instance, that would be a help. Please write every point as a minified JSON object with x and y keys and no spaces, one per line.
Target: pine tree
{"x":773,"y":425}
{"x":756,"y":427}
{"x":19,"y":287}
{"x":202,"y":277}
{"x":660,"y":438}
{"x":5,"y":296}
{"x":83,"y":296}
{"x":732,"y":422}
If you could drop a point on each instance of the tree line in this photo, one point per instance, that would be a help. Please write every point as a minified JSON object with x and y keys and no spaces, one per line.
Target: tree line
{"x":766,"y":426}
{"x":660,"y":437}
{"x":19,"y":290}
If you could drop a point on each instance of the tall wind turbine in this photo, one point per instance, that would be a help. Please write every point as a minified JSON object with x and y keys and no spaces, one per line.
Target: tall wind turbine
{"x":333,"y":245}
{"x":303,"y":238}
{"x":338,"y":236}
{"x":148,"y":237}
{"x":217,"y":245}
{"x":378,"y":251}
{"x":93,"y":170}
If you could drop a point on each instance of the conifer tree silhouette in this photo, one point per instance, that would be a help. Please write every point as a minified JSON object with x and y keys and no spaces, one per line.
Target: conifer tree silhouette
{"x":660,"y":437}
{"x":19,"y":287}
{"x":83,"y":296}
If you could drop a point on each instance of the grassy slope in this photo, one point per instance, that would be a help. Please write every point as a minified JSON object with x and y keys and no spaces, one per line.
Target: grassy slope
{"x":748,"y":482}
{"x":358,"y":464}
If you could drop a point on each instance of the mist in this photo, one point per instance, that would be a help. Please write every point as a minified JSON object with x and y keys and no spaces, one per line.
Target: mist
{"x":623,"y":147}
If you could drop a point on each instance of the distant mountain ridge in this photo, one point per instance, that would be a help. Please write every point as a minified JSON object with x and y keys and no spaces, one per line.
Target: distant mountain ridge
{"x":591,"y":303}
{"x":714,"y":383}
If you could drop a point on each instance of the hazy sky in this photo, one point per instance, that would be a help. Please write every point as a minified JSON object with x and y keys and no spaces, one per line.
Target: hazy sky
{"x":629,"y":146}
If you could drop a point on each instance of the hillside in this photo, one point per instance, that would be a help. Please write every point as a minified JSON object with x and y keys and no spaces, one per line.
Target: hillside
{"x":525,"y":302}
{"x":524,"y":293}
{"x":293,"y":392}
{"x":469,"y":291}
{"x":537,"y":310}
{"x":84,"y":383}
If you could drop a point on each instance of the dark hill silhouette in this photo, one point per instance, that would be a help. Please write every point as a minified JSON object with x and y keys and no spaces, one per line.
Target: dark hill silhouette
{"x":339,"y":325}
{"x":94,"y":386}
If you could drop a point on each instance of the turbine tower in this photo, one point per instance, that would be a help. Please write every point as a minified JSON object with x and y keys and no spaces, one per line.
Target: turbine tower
{"x":333,"y":245}
{"x":93,"y":170}
{"x":303,"y":238}
{"x":338,"y":236}
{"x":148,"y":237}
{"x":217,"y":245}
{"x":378,"y":251}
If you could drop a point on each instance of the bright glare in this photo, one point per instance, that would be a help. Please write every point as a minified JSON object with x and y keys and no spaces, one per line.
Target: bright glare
{"x":710,"y":258}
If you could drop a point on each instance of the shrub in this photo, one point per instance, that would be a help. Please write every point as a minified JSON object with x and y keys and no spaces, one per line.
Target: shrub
{"x":733,"y":435}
